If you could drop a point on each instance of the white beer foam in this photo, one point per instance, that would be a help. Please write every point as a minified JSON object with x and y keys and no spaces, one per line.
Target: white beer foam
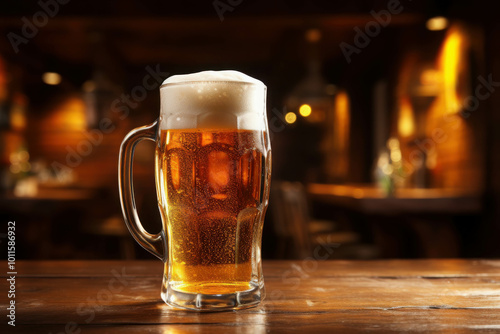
{"x":229,"y":75}
{"x":213,"y":99}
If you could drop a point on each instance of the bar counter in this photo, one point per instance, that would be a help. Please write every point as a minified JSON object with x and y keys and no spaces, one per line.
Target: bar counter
{"x":307,"y":296}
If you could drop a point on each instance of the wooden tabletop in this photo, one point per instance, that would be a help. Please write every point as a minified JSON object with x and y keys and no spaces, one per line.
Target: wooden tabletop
{"x":310,"y":296}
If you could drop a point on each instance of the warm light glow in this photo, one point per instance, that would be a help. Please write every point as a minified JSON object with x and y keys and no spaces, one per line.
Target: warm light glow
{"x":358,"y":193}
{"x":4,"y":89}
{"x":387,"y":169}
{"x":342,"y":119}
{"x":313,"y":35}
{"x":51,"y":78}
{"x":437,"y":23}
{"x":19,"y":162}
{"x":429,"y":77}
{"x":446,"y":158}
{"x":290,"y":118}
{"x":337,"y":147}
{"x":406,"y":120}
{"x":18,"y":112}
{"x":68,"y":116}
{"x":449,"y":63}
{"x":14,"y":169}
{"x":396,"y":155}
{"x":88,"y":86}
{"x":305,"y":110}
{"x":393,"y":144}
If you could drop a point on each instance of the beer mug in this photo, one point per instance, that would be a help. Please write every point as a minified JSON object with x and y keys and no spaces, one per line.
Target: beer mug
{"x":213,"y":168}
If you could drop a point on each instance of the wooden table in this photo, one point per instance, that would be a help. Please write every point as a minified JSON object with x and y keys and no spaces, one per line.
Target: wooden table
{"x":428,"y":213}
{"x":371,"y":199}
{"x":310,"y":296}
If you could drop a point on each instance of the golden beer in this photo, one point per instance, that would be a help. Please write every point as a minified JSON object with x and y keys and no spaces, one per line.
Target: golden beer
{"x":212,"y":188}
{"x":213,"y":168}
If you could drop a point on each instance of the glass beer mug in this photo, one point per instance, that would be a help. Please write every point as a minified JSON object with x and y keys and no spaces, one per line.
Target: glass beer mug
{"x":213,"y":167}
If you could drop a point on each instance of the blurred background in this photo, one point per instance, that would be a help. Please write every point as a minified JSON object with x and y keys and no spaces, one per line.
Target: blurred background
{"x":383,"y":117}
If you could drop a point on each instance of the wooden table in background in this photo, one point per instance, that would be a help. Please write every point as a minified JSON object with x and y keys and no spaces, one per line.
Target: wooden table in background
{"x":371,"y":199}
{"x":302,"y":296}
{"x":427,"y":212}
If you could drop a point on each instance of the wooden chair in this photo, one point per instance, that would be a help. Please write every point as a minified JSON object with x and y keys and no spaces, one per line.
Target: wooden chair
{"x":299,"y":234}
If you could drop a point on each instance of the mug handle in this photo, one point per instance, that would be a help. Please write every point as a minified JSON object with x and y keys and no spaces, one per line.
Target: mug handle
{"x":153,"y":243}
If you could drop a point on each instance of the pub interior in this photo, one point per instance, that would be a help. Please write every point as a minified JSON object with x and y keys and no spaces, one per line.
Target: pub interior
{"x":383,"y":118}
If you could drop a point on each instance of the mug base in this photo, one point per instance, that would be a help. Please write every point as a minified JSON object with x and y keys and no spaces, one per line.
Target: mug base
{"x":213,"y":302}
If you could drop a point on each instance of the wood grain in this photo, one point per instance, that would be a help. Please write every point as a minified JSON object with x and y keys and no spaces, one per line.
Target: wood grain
{"x":382,"y":268}
{"x":342,"y":296}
